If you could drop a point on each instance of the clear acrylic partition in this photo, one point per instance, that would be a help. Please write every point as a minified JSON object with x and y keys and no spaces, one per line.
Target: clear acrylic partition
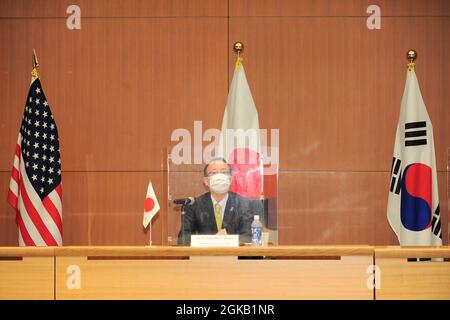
{"x":186,"y":180}
{"x":448,"y":199}
{"x":183,"y":181}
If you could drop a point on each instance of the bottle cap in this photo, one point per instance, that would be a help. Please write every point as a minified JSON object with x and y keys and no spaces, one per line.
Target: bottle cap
{"x":256,"y":217}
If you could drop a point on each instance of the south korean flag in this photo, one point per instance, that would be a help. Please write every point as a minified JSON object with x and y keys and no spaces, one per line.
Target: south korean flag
{"x":413,"y":203}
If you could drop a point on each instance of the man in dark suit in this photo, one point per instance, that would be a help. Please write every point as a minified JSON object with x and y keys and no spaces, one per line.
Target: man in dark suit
{"x":219,"y":210}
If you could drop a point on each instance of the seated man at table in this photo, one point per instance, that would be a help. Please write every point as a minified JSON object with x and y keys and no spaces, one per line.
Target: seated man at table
{"x":220,"y":210}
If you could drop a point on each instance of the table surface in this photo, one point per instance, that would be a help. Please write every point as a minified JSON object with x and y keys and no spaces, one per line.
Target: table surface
{"x":288,"y":251}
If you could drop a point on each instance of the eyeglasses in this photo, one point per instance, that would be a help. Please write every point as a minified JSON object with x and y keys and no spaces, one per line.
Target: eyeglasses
{"x":212,"y":173}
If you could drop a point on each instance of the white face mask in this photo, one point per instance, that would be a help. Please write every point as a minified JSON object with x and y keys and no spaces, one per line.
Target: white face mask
{"x":220,"y":183}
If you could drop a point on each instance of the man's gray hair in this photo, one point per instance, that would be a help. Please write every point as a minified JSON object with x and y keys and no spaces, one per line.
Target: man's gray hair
{"x":205,"y":169}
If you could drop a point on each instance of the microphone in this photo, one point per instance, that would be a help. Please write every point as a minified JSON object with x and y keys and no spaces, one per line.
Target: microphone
{"x":185,"y":201}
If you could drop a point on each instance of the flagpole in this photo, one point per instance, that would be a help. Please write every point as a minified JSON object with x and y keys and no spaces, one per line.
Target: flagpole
{"x":150,"y":233}
{"x":411,"y":56}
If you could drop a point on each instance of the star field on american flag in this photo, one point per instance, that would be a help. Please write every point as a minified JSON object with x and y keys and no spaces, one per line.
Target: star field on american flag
{"x":39,"y":142}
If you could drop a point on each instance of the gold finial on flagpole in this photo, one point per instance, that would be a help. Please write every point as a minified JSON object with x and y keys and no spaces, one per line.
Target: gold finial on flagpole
{"x":411,"y":55}
{"x":238,"y":48}
{"x":35,"y":65}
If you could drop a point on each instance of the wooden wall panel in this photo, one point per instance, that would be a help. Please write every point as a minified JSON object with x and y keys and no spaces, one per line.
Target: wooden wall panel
{"x":108,"y":84}
{"x":337,"y":8}
{"x":333,"y":207}
{"x":114,"y":8}
{"x":139,"y":69}
{"x":445,"y":98}
{"x":111,"y":207}
{"x":8,"y":229}
{"x":334,"y":88}
{"x":340,"y":208}
{"x":99,"y":208}
{"x":343,"y":211}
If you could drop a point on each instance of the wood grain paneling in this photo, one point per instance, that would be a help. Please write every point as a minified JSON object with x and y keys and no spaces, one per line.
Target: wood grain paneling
{"x":31,"y":278}
{"x":446,"y":130}
{"x":340,"y":208}
{"x":337,"y":8}
{"x":412,"y":252}
{"x":112,"y":252}
{"x":114,"y":8}
{"x":99,"y":208}
{"x":117,"y":88}
{"x":110,"y":206}
{"x":334,"y":88}
{"x":324,"y":208}
{"x":8,"y":229}
{"x":20,"y":252}
{"x":197,"y":278}
{"x":137,"y":70}
{"x":404,"y":280}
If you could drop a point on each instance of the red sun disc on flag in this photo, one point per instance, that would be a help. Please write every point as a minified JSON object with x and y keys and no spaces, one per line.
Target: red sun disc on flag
{"x":247,"y":174}
{"x":149,"y":204}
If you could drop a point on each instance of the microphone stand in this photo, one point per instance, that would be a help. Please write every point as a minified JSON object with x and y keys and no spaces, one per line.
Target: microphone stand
{"x":183,"y":210}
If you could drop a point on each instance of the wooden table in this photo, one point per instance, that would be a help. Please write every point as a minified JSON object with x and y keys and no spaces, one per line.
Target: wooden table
{"x":402,"y":279}
{"x":280,"y":272}
{"x":286,"y":272}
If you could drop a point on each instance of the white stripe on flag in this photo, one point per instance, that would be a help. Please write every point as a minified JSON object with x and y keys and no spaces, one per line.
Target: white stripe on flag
{"x":16,"y":162}
{"x":14,"y":187}
{"x":29,"y":225}
{"x":21,"y":242}
{"x":54,"y":197}
{"x":16,"y":159}
{"x":38,"y":205}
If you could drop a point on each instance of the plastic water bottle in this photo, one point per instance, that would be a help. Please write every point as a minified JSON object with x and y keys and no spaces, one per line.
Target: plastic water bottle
{"x":256,"y":231}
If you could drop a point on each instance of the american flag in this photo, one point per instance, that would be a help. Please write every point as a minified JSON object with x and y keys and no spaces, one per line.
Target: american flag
{"x":35,"y":186}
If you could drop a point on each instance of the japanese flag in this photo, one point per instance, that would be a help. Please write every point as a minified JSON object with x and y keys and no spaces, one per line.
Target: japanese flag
{"x":151,"y":206}
{"x":240,"y":141}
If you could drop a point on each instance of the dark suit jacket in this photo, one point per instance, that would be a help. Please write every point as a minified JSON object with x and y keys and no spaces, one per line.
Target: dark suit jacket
{"x":199,"y":218}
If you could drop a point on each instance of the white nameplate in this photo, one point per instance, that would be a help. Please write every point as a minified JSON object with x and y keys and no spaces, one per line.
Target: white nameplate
{"x":206,"y":240}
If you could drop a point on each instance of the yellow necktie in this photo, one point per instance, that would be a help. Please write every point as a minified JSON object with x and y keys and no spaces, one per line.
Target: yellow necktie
{"x":218,"y":216}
